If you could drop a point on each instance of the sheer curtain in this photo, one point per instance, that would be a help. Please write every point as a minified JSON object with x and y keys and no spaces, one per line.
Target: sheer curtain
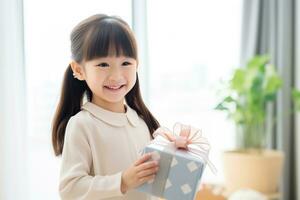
{"x":13,"y":151}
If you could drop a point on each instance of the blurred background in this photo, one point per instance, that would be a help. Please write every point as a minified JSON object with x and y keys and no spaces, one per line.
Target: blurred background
{"x":188,"y":50}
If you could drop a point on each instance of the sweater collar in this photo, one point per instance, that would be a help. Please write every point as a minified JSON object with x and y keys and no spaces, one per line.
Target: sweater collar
{"x":112,"y":118}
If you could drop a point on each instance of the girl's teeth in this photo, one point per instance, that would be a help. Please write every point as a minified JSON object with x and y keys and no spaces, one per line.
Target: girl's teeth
{"x":114,"y":88}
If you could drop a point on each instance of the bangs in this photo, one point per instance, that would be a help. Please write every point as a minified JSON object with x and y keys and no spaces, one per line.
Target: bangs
{"x":109,"y":38}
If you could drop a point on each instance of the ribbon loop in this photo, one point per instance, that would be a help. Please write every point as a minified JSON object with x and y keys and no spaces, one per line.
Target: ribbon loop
{"x":185,"y":137}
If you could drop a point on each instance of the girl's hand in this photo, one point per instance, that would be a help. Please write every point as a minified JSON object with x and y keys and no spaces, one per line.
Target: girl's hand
{"x":140,"y":172}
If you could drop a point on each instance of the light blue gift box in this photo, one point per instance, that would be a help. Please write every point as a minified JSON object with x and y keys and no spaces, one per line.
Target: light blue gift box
{"x":179,"y":173}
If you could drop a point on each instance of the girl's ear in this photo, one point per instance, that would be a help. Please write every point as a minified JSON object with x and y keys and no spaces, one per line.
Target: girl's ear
{"x":77,"y":70}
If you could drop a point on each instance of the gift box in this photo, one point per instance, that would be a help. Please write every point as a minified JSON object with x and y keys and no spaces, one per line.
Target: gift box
{"x":182,"y":159}
{"x":178,"y":176}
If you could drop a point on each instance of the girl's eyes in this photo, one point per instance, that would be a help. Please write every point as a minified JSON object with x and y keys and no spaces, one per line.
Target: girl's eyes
{"x":103,"y":65}
{"x":126,"y":63}
{"x":106,"y":64}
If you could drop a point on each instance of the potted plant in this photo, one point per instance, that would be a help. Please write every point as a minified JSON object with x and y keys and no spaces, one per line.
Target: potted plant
{"x":246,"y":96}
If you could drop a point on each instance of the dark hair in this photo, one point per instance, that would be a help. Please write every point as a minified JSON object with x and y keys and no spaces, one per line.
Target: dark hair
{"x":97,"y":36}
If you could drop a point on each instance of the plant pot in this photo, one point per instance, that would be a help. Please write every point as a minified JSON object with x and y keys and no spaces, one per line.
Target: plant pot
{"x":253,"y":169}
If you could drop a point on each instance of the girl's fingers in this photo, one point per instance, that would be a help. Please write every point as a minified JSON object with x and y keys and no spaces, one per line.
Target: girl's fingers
{"x":148,"y":172}
{"x":144,"y":158}
{"x":146,"y":178}
{"x":147,"y":165}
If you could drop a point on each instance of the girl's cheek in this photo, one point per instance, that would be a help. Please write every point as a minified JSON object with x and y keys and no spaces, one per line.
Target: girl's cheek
{"x":131,"y":72}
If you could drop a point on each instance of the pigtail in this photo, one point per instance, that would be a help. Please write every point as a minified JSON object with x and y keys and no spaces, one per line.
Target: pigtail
{"x":135,"y":101}
{"x":70,"y":102}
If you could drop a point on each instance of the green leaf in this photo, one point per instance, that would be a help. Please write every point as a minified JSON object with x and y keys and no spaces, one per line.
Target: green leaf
{"x":256,"y":86}
{"x":238,"y":116}
{"x":258,"y":61}
{"x":296,"y":98}
{"x":221,"y":107}
{"x":238,"y":80}
{"x":270,"y":97}
{"x":272,"y":84}
{"x":228,"y":99}
{"x":272,"y":81}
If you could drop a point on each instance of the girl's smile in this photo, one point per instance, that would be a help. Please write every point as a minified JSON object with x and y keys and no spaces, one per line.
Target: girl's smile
{"x":114,"y":88}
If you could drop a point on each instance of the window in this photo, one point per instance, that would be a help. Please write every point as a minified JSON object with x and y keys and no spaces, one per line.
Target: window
{"x":192,"y":45}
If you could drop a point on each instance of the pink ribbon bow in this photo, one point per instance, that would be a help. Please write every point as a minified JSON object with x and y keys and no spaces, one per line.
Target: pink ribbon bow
{"x":185,"y":137}
{"x":180,"y":140}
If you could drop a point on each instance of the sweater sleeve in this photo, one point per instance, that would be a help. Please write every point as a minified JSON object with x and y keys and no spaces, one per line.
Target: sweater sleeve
{"x":75,"y":181}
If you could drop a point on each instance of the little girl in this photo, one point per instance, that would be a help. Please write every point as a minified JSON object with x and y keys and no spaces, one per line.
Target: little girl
{"x":100,"y":139}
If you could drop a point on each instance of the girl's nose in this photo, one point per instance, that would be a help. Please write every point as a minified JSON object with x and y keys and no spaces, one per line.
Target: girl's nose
{"x":115,"y":74}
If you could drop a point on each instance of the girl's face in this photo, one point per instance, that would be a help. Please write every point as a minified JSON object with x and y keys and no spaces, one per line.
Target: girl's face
{"x":110,"y":79}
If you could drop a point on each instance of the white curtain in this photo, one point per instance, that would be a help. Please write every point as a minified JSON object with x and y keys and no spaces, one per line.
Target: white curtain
{"x":12,"y":102}
{"x":139,"y":26}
